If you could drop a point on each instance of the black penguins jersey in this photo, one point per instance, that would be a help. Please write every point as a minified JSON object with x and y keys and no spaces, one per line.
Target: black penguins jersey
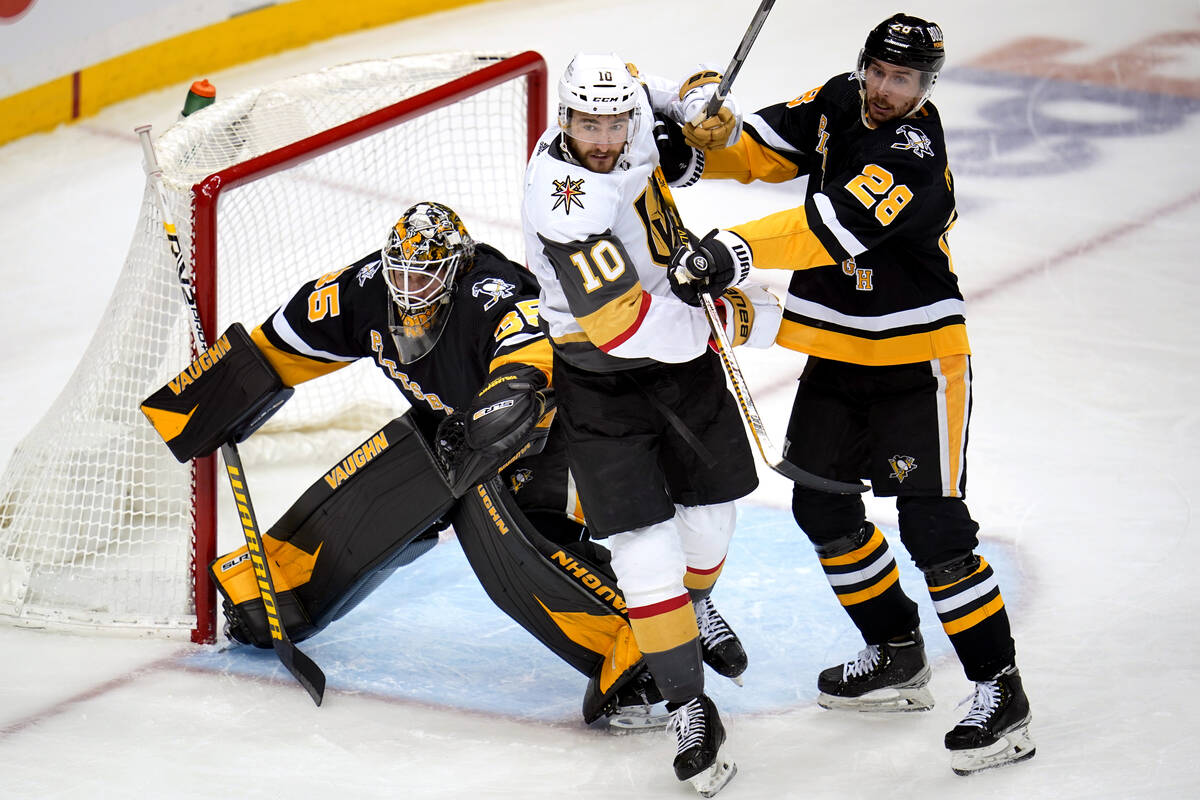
{"x":874,"y":281}
{"x":346,"y":315}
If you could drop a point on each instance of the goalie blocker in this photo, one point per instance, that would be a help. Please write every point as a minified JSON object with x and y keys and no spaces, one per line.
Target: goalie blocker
{"x":224,"y":395}
{"x":379,"y":509}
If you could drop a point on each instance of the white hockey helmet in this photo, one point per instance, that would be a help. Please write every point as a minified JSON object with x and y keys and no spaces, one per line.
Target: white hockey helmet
{"x":597,"y":84}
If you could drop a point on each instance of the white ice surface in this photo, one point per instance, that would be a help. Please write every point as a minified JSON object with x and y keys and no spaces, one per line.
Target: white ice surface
{"x":1081,"y":284}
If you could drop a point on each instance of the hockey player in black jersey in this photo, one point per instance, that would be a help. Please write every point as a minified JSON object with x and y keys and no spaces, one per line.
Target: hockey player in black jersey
{"x":454,"y":324}
{"x":886,"y":391}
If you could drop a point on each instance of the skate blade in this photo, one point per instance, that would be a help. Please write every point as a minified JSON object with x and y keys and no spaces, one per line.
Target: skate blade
{"x":638,"y":719}
{"x":1016,"y":746}
{"x":714,"y":779}
{"x":917,"y":698}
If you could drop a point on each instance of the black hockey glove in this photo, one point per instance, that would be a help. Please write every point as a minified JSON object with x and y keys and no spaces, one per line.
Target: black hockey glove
{"x":674,"y":154}
{"x":508,"y":405}
{"x":721,"y":259}
{"x":500,"y":423}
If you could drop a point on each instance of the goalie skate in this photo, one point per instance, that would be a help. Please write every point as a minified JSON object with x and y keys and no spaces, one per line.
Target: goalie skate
{"x":638,"y":719}
{"x":639,"y":707}
{"x":888,"y":677}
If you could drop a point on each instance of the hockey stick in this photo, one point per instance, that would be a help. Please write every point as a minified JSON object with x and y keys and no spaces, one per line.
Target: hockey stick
{"x":754,"y":422}
{"x":739,"y":58}
{"x":303,"y":668}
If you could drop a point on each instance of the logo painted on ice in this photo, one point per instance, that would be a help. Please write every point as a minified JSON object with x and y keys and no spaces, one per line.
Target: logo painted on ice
{"x":914,"y":140}
{"x":901,"y":467}
{"x":494,"y":288}
{"x":567,"y":192}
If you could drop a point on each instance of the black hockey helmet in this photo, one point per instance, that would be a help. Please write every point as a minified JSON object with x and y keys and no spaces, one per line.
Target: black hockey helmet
{"x":905,"y":41}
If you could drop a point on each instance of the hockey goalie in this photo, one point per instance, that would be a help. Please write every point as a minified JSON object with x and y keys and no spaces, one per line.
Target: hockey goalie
{"x":454,"y":325}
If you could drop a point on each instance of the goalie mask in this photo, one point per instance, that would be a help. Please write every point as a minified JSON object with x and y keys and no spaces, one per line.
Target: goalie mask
{"x":909,"y":42}
{"x":425,"y":250}
{"x":598,"y":100}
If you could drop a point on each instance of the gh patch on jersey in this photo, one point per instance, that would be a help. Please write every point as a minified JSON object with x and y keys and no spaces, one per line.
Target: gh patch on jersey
{"x":567,"y":192}
{"x":494,"y":288}
{"x":915,"y":140}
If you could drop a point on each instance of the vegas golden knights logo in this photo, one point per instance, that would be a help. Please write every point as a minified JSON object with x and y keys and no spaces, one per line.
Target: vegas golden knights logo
{"x":901,"y":467}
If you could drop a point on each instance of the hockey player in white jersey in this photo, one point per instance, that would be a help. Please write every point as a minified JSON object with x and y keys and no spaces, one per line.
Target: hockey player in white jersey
{"x":655,"y":443}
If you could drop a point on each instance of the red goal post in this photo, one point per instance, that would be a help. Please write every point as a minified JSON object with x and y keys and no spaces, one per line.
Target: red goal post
{"x":269,"y":189}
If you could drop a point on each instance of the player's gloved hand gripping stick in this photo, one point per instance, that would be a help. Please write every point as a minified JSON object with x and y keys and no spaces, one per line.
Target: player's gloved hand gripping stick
{"x":301,"y":666}
{"x":693,"y":266}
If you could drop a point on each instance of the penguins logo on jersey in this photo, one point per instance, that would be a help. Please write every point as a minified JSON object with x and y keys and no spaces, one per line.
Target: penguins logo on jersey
{"x":567,"y":192}
{"x":494,"y":288}
{"x":901,"y":467}
{"x":914,"y":140}
{"x":519,"y":479}
{"x":367,"y":272}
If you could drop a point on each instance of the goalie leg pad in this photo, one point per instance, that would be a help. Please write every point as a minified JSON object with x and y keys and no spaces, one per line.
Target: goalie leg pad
{"x":347,"y":533}
{"x":556,"y":593}
{"x":225,"y":394}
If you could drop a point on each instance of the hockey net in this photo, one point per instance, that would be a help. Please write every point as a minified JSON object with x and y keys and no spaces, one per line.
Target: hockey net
{"x":100,"y":527}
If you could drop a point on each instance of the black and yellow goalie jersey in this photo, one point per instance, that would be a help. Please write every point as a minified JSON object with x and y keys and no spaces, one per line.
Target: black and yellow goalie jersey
{"x":345,"y":315}
{"x":874,"y":282}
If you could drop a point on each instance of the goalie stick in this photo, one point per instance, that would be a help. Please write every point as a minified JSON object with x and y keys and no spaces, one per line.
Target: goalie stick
{"x":739,"y":58}
{"x":754,"y":422}
{"x":303,"y":668}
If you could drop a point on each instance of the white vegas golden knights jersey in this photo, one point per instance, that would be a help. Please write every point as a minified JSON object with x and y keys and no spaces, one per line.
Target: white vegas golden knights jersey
{"x":600,"y":244}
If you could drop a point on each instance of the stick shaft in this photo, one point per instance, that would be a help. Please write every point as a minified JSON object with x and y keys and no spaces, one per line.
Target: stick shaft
{"x":301,"y":666}
{"x":739,"y":58}
{"x":758,"y":431}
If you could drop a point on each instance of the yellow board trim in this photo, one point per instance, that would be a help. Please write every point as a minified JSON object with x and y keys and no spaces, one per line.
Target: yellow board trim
{"x":201,"y":52}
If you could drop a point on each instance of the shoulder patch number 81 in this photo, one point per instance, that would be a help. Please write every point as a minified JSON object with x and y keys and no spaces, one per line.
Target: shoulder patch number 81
{"x":605,"y":258}
{"x":874,"y":187}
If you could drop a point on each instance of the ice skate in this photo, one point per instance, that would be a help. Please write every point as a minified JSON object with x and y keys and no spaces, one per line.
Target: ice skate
{"x":639,"y":707}
{"x":720,"y":646}
{"x":892,"y":676}
{"x":699,"y":735}
{"x":996,"y":729}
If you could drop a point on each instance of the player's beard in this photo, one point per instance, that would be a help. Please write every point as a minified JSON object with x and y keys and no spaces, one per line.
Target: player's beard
{"x":880,"y":110}
{"x":597,"y":158}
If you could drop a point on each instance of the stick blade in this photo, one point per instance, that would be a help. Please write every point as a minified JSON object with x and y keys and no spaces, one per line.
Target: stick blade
{"x":810,"y":481}
{"x":303,"y":669}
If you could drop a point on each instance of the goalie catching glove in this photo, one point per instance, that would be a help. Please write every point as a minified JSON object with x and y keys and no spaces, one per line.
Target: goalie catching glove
{"x":720,"y":260}
{"x":508,"y":418}
{"x":699,"y":130}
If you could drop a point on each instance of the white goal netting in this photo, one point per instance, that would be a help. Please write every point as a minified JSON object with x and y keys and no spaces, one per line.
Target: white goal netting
{"x":98,"y":522}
